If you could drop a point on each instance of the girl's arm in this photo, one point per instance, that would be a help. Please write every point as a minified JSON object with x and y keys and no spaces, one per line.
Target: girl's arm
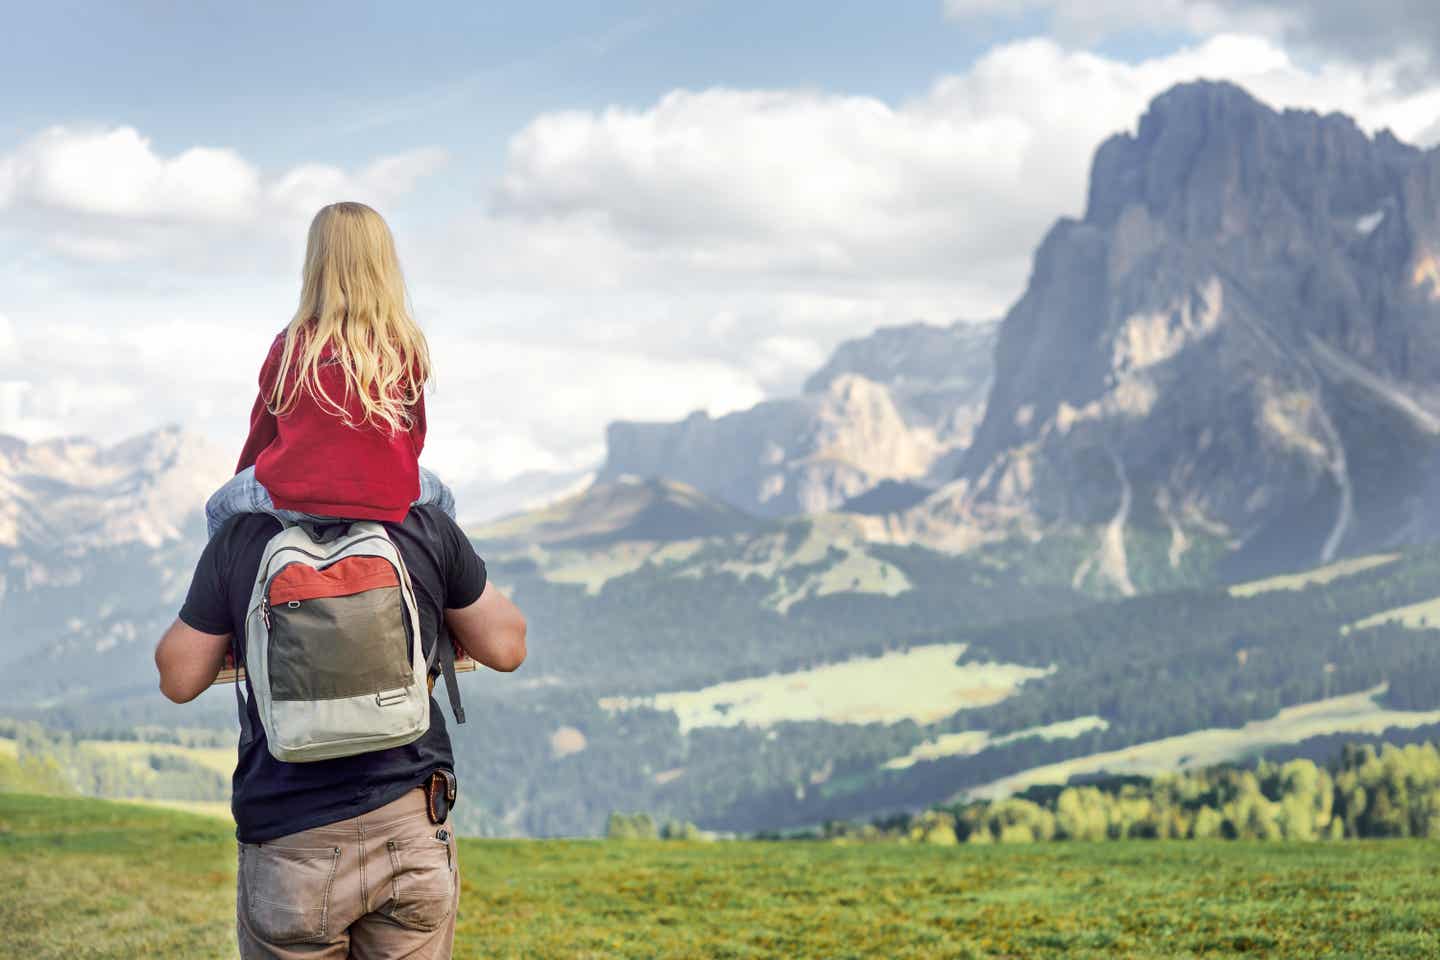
{"x":418,"y":425}
{"x":262,"y":431}
{"x":263,"y":428}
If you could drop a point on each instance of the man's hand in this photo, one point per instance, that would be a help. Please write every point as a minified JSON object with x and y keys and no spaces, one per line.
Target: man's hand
{"x":189,"y":660}
{"x":492,"y":630}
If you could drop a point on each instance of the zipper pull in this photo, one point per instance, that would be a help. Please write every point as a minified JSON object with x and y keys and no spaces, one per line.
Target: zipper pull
{"x":265,"y":611}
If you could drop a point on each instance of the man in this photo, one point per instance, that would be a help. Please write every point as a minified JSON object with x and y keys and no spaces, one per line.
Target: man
{"x":340,"y":858}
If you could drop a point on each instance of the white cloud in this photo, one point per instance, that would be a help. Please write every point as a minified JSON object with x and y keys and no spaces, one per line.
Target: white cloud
{"x":699,"y":252}
{"x":502,"y":407}
{"x":754,"y":229}
{"x":108,"y":196}
{"x":116,"y":173}
{"x":113,"y":366}
{"x":1402,"y":32}
{"x":785,"y":360}
{"x":304,"y":189}
{"x":939,"y":198}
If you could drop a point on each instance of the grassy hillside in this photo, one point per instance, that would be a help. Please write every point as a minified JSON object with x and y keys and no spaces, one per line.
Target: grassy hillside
{"x":90,"y":878}
{"x":40,"y":760}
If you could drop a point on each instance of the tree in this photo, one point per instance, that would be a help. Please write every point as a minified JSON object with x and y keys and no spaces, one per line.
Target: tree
{"x":634,"y":826}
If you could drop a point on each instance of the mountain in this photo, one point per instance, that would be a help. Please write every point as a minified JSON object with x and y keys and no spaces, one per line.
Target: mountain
{"x":485,"y":501}
{"x":96,"y":547}
{"x":75,"y":494}
{"x":629,"y":508}
{"x":1226,"y":365}
{"x":1238,"y":342}
{"x":895,"y":405}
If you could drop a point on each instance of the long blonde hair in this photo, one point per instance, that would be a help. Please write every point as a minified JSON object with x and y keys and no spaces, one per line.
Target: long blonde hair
{"x":352,"y":299}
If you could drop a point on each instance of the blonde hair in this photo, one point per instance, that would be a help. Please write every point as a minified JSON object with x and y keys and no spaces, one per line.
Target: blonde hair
{"x":352,"y":299}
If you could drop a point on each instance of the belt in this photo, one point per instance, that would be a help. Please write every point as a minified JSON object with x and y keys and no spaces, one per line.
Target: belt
{"x":440,"y":789}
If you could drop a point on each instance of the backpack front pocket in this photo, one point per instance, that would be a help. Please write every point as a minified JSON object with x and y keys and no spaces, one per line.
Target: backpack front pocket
{"x":338,"y":632}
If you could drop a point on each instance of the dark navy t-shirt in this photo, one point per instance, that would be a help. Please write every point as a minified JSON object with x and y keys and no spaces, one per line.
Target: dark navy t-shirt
{"x":272,"y":798}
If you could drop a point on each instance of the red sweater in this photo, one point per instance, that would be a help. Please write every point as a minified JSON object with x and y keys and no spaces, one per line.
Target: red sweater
{"x":312,"y":462}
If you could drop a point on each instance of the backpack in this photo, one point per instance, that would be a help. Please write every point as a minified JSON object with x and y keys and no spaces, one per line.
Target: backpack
{"x":333,"y":648}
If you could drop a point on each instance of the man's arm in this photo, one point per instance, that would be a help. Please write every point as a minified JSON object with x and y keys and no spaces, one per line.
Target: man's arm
{"x":492,"y":630}
{"x":188,"y":660}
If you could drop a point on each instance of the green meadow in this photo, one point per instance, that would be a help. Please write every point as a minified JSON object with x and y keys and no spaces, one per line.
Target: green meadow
{"x":96,"y":878}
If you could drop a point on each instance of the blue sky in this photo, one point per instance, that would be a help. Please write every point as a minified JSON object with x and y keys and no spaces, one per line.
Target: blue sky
{"x":329,"y":81}
{"x":626,"y":210}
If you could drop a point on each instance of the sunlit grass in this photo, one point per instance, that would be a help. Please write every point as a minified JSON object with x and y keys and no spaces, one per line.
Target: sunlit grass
{"x":1415,"y":616}
{"x":1358,"y":713}
{"x":924,"y":683}
{"x":89,"y":878}
{"x":1320,"y":575}
{"x":220,"y":759}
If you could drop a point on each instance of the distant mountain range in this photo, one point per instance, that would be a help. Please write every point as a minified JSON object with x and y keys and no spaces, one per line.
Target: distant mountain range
{"x":897,"y":405}
{"x":629,"y":508}
{"x":1239,"y":343}
{"x":1228,"y":368}
{"x":96,"y":548}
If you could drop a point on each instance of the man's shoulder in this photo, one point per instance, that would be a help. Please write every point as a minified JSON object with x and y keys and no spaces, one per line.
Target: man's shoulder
{"x":427,"y":522}
{"x":243,"y":528}
{"x":239,"y":543}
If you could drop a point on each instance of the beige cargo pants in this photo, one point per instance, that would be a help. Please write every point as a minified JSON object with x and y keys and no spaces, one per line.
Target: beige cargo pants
{"x":380,"y":885}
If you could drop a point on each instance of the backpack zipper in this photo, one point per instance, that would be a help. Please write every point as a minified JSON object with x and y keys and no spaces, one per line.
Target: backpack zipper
{"x":321,"y":556}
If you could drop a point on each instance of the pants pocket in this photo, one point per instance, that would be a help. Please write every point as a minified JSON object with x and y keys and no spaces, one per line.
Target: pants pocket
{"x":422,"y":882}
{"x":287,"y":890}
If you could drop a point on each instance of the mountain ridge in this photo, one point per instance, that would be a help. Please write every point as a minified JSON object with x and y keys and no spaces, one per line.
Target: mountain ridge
{"x":896,"y":404}
{"x":1218,"y":345}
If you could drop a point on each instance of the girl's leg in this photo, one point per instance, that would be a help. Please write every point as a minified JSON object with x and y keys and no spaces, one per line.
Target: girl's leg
{"x":242,"y":493}
{"x":434,"y":491}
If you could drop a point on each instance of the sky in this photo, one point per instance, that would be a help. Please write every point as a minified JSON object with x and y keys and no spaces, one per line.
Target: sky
{"x":604,"y":211}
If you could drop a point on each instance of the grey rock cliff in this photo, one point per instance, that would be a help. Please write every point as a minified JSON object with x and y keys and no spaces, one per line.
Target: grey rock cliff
{"x":74,"y":494}
{"x":890,"y":406}
{"x":1240,"y":339}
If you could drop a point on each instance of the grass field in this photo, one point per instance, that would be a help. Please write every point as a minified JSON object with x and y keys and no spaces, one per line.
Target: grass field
{"x":219,"y":759}
{"x":924,"y":683}
{"x":1415,"y":616}
{"x":1316,"y":577}
{"x":1349,"y":713}
{"x":92,"y":878}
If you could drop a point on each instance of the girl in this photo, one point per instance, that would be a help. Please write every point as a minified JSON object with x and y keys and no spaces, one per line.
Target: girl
{"x":339,"y":424}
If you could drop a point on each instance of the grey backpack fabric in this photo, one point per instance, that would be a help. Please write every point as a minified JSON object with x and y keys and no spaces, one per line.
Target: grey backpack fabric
{"x":333,"y":649}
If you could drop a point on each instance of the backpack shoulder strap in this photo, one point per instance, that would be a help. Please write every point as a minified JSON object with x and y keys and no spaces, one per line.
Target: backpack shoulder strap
{"x":444,"y":652}
{"x":247,"y":730}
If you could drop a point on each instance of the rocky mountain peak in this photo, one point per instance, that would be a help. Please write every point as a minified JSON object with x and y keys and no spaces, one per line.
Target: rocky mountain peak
{"x":76,"y":494}
{"x":914,"y":357}
{"x":1240,"y":341}
{"x":893,"y":405}
{"x":1208,"y":159}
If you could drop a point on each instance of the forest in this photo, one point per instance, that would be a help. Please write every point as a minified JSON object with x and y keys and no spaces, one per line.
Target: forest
{"x":1362,"y":793}
{"x":1150,"y":667}
{"x":56,"y":762}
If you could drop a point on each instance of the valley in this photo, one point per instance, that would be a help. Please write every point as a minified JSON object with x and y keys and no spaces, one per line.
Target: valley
{"x":1360,"y":713}
{"x":1175,"y":508}
{"x":924,"y":684}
